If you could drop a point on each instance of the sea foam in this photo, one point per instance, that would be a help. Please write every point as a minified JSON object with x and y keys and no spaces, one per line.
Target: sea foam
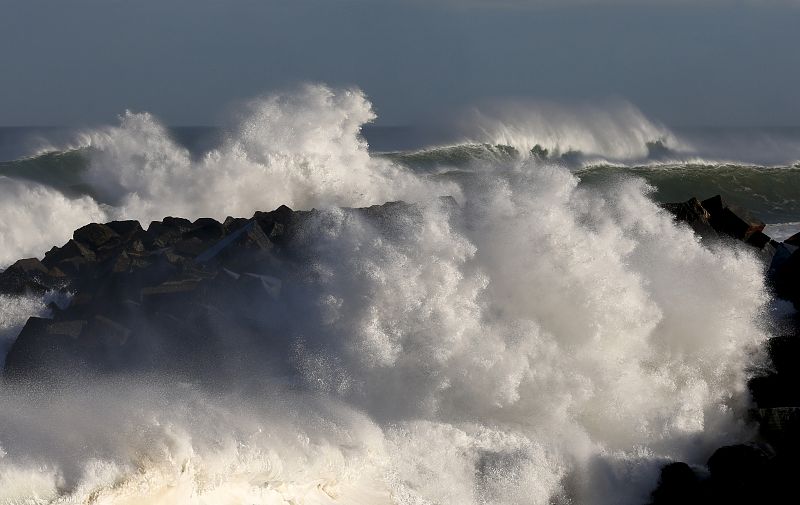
{"x":537,"y":342}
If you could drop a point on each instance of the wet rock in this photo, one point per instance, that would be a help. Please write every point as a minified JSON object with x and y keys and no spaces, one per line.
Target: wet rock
{"x":780,"y":386}
{"x":29,"y":276}
{"x":68,"y":252}
{"x":794,"y":240}
{"x":29,"y":266}
{"x":694,"y":214}
{"x":785,"y":276}
{"x":739,"y":474}
{"x":736,"y":222}
{"x":759,"y":240}
{"x":95,"y":235}
{"x":722,"y":218}
{"x":677,"y":485}
{"x":780,"y":426}
{"x":126,"y":229}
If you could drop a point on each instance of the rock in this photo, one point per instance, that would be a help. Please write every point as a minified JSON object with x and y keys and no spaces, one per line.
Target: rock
{"x":179,"y":223}
{"x":160,"y":235}
{"x":780,"y":387}
{"x":780,"y":426}
{"x":168,"y":291}
{"x":759,"y":240}
{"x":95,"y":235}
{"x":794,"y":240}
{"x":739,"y":474}
{"x":250,"y":235}
{"x":41,"y":349}
{"x":678,"y":485}
{"x":127,"y":230}
{"x":190,"y":247}
{"x":30,"y":266}
{"x":29,"y":276}
{"x":785,"y":276}
{"x":694,"y":214}
{"x":733,"y":221}
{"x":68,"y":251}
{"x":72,"y":329}
{"x":122,"y":263}
{"x":206,"y":230}
{"x":111,"y":331}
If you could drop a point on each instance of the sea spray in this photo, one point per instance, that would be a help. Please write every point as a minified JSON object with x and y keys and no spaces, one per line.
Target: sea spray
{"x":534,"y":341}
{"x":614,"y":131}
{"x":302,"y":150}
{"x":34,"y":217}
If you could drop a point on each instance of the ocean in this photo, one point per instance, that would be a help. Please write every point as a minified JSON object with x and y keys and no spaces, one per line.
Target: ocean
{"x":556,"y":341}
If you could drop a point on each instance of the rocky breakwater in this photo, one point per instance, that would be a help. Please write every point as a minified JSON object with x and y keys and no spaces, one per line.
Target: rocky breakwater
{"x":175,"y":297}
{"x":762,"y":470}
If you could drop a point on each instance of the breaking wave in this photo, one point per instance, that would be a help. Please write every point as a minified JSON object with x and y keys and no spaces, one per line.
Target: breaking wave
{"x":543,"y":341}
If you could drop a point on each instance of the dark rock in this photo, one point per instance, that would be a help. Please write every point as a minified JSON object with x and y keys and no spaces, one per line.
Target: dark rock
{"x":29,"y":266}
{"x":738,"y":469}
{"x":95,"y":235}
{"x":735,"y":222}
{"x":677,"y":485}
{"x":780,"y":387}
{"x":168,"y":290}
{"x":206,"y":230}
{"x":794,"y":240}
{"x":67,"y":252}
{"x":739,"y":474}
{"x":785,"y":275}
{"x":41,"y":347}
{"x":759,"y":240}
{"x":29,"y":276}
{"x":122,"y":263}
{"x":111,"y":331}
{"x":126,"y":229}
{"x":180,"y":223}
{"x":694,"y":214}
{"x":190,"y":247}
{"x":780,"y":427}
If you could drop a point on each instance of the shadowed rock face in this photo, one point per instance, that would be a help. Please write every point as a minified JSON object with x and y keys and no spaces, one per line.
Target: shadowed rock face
{"x":160,"y":299}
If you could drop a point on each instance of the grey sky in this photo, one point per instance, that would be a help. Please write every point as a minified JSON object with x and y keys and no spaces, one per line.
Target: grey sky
{"x":705,"y":62}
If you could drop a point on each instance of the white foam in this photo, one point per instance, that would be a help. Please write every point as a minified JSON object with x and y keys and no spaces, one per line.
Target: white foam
{"x":33,"y":218}
{"x":546,"y":341}
{"x":298,"y":149}
{"x":616,"y":131}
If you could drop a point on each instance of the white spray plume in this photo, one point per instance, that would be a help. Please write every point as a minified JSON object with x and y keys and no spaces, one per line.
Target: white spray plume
{"x":544,"y":341}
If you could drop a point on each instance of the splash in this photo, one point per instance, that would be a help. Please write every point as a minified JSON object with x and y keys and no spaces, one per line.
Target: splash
{"x":540,"y":342}
{"x":616,"y":131}
{"x":303,"y":150}
{"x":34,"y":217}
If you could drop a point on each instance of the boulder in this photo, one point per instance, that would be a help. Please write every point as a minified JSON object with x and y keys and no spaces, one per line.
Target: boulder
{"x":785,"y":275}
{"x":739,"y":474}
{"x":95,"y":235}
{"x":694,"y":214}
{"x":794,"y":240}
{"x":735,"y":222}
{"x":677,"y":485}
{"x":780,"y":426}
{"x":127,"y":230}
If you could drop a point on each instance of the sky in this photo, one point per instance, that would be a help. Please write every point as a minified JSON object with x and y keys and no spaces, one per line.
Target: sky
{"x":685,"y":63}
